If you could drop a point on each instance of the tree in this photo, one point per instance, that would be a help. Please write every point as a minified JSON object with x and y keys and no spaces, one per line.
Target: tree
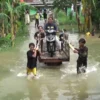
{"x":89,"y":7}
{"x":11,"y":11}
{"x":2,"y":17}
{"x":2,"y":8}
{"x":96,"y":14}
{"x":15,"y":12}
{"x":62,"y":4}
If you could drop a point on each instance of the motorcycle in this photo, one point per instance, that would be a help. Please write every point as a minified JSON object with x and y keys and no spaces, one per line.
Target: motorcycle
{"x":51,"y":42}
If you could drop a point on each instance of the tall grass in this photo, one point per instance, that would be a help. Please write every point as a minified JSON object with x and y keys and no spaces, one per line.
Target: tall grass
{"x":68,"y":22}
{"x":64,"y":19}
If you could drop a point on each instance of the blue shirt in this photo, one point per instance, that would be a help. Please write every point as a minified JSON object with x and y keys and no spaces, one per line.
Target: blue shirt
{"x":50,"y":26}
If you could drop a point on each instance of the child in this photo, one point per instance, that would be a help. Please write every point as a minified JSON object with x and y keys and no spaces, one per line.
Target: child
{"x":93,"y":32}
{"x":32,"y":55}
{"x":39,"y":36}
{"x":45,"y":15}
{"x":27,"y":17}
{"x":83,"y":54}
{"x":63,"y":36}
{"x":37,"y":17}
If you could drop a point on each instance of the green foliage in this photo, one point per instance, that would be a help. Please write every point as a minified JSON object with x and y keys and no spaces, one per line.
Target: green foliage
{"x":3,"y":15}
{"x":64,"y":19}
{"x":12,"y":11}
{"x":23,"y":30}
{"x":62,"y":4}
{"x":96,"y":13}
{"x":5,"y":41}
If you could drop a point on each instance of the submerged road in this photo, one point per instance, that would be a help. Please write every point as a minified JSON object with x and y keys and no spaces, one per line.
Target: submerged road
{"x":53,"y":83}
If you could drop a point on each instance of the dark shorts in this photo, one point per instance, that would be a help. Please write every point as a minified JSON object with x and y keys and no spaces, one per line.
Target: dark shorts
{"x":37,"y":21}
{"x":81,"y":63}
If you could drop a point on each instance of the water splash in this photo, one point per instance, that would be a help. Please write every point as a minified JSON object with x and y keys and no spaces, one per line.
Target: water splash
{"x":12,"y":70}
{"x":72,"y":70}
{"x":23,"y":74}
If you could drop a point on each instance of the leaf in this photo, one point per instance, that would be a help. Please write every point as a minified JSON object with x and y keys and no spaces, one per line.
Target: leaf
{"x":94,"y":3}
{"x":2,"y":15}
{"x":9,"y":6}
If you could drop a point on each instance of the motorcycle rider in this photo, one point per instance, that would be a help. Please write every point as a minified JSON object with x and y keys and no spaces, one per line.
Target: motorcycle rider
{"x":51,"y":25}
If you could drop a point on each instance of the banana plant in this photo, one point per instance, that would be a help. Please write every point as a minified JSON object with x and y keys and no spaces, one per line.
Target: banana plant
{"x":87,"y":11}
{"x":10,"y":10}
{"x":62,"y":4}
{"x":2,"y":3}
{"x":15,"y":13}
{"x":2,"y":17}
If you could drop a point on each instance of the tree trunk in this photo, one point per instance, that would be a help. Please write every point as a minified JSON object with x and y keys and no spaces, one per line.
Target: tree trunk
{"x":15,"y":25}
{"x":3,"y":29}
{"x":90,"y":22}
{"x":85,"y":24}
{"x":12,"y":30}
{"x":77,"y":15}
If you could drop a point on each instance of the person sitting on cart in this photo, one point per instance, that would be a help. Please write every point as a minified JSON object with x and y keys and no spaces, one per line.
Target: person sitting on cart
{"x":63,"y":36}
{"x":39,"y":36}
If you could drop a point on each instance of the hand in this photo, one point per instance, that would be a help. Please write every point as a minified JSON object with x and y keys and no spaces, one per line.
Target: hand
{"x":75,"y":51}
{"x":42,"y":31}
{"x":36,"y":49}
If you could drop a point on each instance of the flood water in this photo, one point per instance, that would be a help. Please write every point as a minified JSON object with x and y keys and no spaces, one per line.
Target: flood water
{"x":53,"y":83}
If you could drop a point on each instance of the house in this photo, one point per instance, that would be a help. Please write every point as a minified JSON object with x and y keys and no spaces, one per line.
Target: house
{"x":28,"y":0}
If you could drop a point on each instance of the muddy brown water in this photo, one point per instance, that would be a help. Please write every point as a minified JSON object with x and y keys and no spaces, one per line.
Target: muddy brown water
{"x":53,"y":83}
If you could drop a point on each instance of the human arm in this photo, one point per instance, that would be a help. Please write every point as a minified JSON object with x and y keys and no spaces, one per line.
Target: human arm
{"x":35,"y":52}
{"x":36,"y":36}
{"x":32,"y":54}
{"x":76,"y":50}
{"x":43,"y":35}
{"x":45,"y":27}
{"x":61,"y":37}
